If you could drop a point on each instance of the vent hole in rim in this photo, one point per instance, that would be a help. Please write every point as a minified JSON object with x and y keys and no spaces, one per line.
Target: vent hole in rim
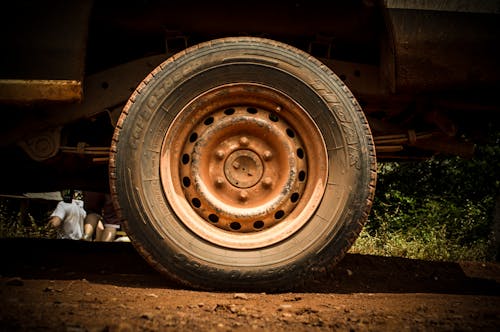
{"x":300,"y":153}
{"x":302,"y":176}
{"x":258,"y":224}
{"x":273,"y":117}
{"x":252,"y":110}
{"x":229,"y":111}
{"x":185,"y":158}
{"x":279,"y":214}
{"x":295,"y":197}
{"x":290,"y":133}
{"x":235,"y":225}
{"x":196,"y":202}
{"x":213,"y":218}
{"x":208,"y":121}
{"x":193,"y":137}
{"x":186,"y":181}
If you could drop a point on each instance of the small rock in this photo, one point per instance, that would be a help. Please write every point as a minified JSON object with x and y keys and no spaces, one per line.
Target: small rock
{"x":49,"y":289}
{"x":181,"y":314}
{"x":121,"y":327}
{"x":152,"y":295}
{"x":285,"y":307}
{"x":293,"y":299}
{"x":243,"y":312}
{"x":16,"y":281}
{"x":306,"y":310}
{"x":147,"y":316}
{"x":349,"y":272}
{"x":240,"y":296}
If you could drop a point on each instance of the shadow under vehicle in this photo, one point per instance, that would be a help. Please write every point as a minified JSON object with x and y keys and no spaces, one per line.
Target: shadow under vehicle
{"x":239,"y":140}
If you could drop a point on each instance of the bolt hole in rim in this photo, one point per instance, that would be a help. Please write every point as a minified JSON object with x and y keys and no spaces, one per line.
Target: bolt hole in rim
{"x":236,"y":166}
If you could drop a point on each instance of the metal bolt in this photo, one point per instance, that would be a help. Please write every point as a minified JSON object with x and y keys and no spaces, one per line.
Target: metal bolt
{"x":219,"y":182}
{"x":267,"y":155}
{"x":278,"y":108}
{"x":243,"y":196}
{"x":220,"y":154}
{"x":244,"y":141}
{"x":267,"y":182}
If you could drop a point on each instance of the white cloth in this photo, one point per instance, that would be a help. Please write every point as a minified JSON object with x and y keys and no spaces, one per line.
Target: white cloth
{"x":72,"y":216}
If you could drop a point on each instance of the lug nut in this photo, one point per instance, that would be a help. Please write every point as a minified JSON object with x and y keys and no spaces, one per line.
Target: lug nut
{"x":236,"y":165}
{"x":267,"y":155}
{"x":220,"y":154}
{"x":267,"y":182}
{"x":219,"y":182}
{"x":244,"y":141}
{"x":243,"y":196}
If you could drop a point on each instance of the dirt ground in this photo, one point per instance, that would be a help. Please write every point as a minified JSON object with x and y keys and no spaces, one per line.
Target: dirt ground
{"x":55,"y":285}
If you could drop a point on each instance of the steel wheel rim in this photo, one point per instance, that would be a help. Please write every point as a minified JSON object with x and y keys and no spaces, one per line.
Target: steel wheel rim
{"x":243,"y":166}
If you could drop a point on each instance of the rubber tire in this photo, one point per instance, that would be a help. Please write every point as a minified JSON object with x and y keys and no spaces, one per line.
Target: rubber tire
{"x":180,"y":254}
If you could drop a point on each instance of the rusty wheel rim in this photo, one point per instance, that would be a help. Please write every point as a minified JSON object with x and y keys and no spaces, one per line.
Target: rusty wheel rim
{"x":243,"y":166}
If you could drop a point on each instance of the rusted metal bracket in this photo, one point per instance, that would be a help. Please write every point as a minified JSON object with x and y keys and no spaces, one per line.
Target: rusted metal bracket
{"x":321,"y":46}
{"x":31,"y":91}
{"x":42,"y":146}
{"x":434,"y":141}
{"x":98,"y":154}
{"x":103,"y":91}
{"x":175,"y":41}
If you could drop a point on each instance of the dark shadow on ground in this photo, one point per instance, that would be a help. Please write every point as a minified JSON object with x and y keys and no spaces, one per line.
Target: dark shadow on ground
{"x":119,"y":264}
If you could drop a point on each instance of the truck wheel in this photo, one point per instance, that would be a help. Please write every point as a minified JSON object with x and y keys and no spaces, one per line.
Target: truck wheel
{"x":242,"y":163}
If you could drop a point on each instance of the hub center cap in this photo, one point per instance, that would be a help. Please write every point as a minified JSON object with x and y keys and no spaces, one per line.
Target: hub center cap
{"x":243,"y":168}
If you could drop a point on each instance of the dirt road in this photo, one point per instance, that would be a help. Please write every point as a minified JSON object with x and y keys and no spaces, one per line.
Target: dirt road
{"x":49,"y":285}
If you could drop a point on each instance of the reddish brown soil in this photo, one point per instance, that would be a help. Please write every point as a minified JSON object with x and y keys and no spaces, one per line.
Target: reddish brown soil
{"x":50,"y":285}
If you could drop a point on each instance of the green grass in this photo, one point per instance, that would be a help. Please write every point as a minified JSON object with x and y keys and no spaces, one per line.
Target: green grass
{"x":32,"y":225}
{"x":435,"y":246}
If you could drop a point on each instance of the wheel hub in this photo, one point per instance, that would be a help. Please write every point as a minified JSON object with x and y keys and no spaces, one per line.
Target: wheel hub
{"x":243,"y":170}
{"x":242,"y":166}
